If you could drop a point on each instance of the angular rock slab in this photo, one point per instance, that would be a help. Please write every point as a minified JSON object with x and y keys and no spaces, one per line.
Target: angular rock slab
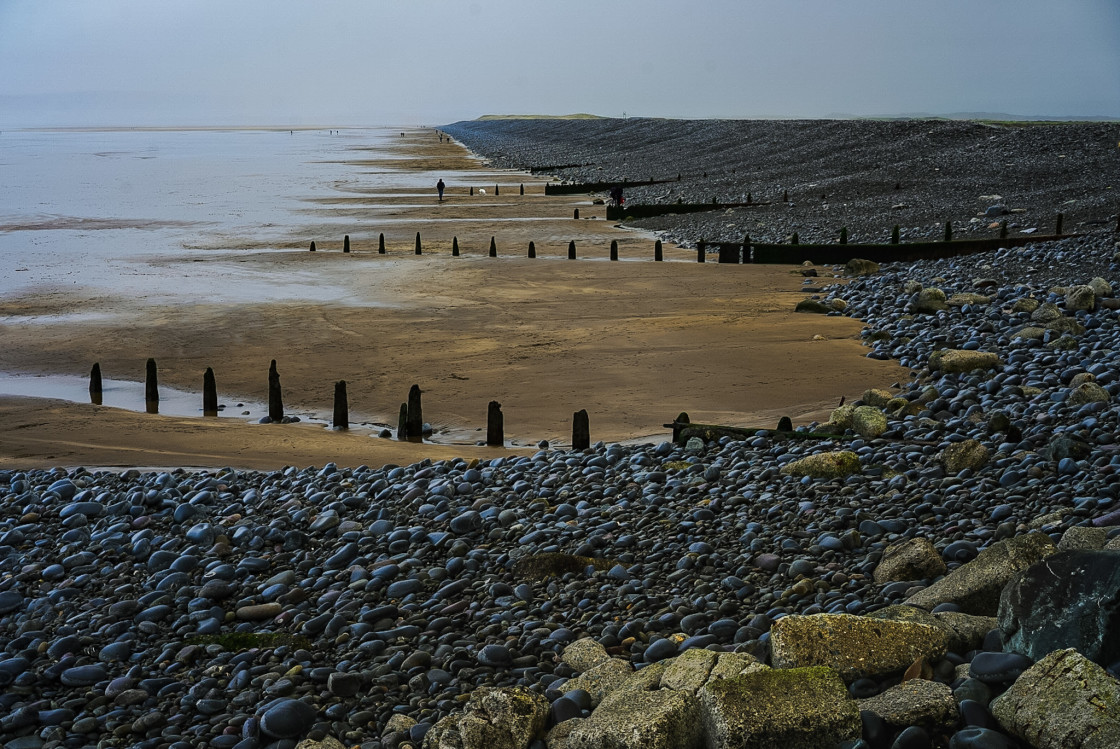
{"x":1071,"y":600}
{"x":798,"y":707}
{"x":913,"y":559}
{"x":503,"y":718}
{"x":633,"y":719}
{"x":602,"y":679}
{"x":916,"y":702}
{"x":1065,"y":700}
{"x":584,"y":654}
{"x":976,"y":586}
{"x":854,"y":646}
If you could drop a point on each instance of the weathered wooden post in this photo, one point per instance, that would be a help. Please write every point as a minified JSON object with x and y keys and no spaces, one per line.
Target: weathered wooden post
{"x":381,"y":244}
{"x":532,"y":249}
{"x":746,"y":248}
{"x":948,"y":231}
{"x":701,"y":250}
{"x":275,"y":399}
{"x":785,"y":424}
{"x":795,"y":239}
{"x":346,"y":243}
{"x":454,"y":247}
{"x":495,"y":425}
{"x":575,"y":214}
{"x":679,"y":424}
{"x":341,"y":418}
{"x":581,"y":430}
{"x":151,"y":389}
{"x":414,"y":422}
{"x":895,"y":235}
{"x":748,"y":198}
{"x":843,"y":235}
{"x":785,"y":196}
{"x":1003,"y":229}
{"x":95,"y":384}
{"x":614,"y":249}
{"x":495,"y":191}
{"x":312,"y":249}
{"x":418,"y":243}
{"x":209,"y":393}
{"x":1058,"y":228}
{"x":402,"y":423}
{"x":472,"y":190}
{"x":493,"y":248}
{"x":572,"y":250}
{"x":522,"y":188}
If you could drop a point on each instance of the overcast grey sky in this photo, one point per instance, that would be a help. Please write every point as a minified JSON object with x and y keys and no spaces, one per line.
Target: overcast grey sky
{"x":373,"y":62}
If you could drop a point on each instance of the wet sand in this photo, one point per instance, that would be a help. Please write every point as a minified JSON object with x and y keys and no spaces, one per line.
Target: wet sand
{"x":634,"y":342}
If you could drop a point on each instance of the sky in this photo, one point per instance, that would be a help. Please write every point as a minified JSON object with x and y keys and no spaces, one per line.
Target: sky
{"x":73,"y":63}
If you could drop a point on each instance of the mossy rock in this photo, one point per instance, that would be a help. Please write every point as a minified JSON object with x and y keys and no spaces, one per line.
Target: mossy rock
{"x":869,"y":422}
{"x":812,"y":306}
{"x":1027,"y":304}
{"x":549,"y":564}
{"x":1065,"y":343}
{"x":959,"y":300}
{"x":911,"y":287}
{"x":838,"y":304}
{"x":957,"y":360}
{"x":824,"y":465}
{"x":841,"y":417}
{"x":1080,"y":298}
{"x":931,"y":300}
{"x":969,"y":454}
{"x":861,"y":267}
{"x":880,"y":335}
{"x":1088,"y":392}
{"x":1047,"y":312}
{"x":876,"y":397}
{"x":1066,"y":325}
{"x":1100,"y":287}
{"x":1030,"y":333}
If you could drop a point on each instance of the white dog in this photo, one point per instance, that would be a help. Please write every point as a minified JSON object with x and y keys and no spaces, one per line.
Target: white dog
{"x":481,"y":191}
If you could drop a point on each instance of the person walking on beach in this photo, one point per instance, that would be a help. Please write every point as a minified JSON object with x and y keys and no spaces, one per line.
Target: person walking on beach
{"x":616,"y":195}
{"x":439,"y":189}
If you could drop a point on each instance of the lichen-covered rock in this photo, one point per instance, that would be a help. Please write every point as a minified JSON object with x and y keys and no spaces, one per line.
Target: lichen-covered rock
{"x":328,"y":742}
{"x":952,"y":361}
{"x":853,"y":646}
{"x":584,"y":654}
{"x":1080,"y":298}
{"x":689,"y":671}
{"x":824,"y":465}
{"x":965,"y":631}
{"x":876,"y":397}
{"x":647,"y":678}
{"x":802,"y":707}
{"x":1063,"y":701}
{"x":915,"y":702}
{"x":976,"y":586}
{"x":635,"y":719}
{"x":837,"y":304}
{"x":913,"y":559}
{"x":1081,"y":538}
{"x":841,"y":417}
{"x":970,"y":454}
{"x":1047,"y":312}
{"x":601,"y":680}
{"x":730,"y":665}
{"x":1027,"y":304}
{"x":1100,"y":287}
{"x":1069,"y":600}
{"x":1087,"y":392}
{"x":931,"y":299}
{"x":959,"y":300}
{"x":1080,"y":378}
{"x":1067,"y":325}
{"x":1030,"y":333}
{"x":557,"y":736}
{"x":812,"y":305}
{"x":869,"y":422}
{"x":858,"y":266}
{"x":501,"y":718}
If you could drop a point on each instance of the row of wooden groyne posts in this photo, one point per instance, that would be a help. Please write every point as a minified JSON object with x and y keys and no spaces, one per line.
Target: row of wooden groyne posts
{"x":795,"y":252}
{"x":410,"y":423}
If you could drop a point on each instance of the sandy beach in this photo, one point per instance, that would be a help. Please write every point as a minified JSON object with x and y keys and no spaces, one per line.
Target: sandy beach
{"x":634,"y":342}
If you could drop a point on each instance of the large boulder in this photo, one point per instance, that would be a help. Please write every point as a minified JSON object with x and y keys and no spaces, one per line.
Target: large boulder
{"x":689,"y":671}
{"x":1070,"y":600}
{"x":584,"y":654}
{"x":801,"y":707}
{"x":824,"y":465}
{"x":976,"y":586}
{"x":876,"y":397}
{"x":1046,"y":313}
{"x":968,"y":297}
{"x":1100,"y":287}
{"x":858,"y":266}
{"x":501,"y":718}
{"x":869,"y":422}
{"x":913,"y":559}
{"x":1063,"y":701}
{"x":1080,"y":298}
{"x":601,"y":680}
{"x":853,"y":646}
{"x":971,"y":454}
{"x":964,"y":632}
{"x":915,"y":702}
{"x":952,"y":361}
{"x":636,"y":719}
{"x":1087,"y":392}
{"x":812,"y":305}
{"x":931,"y":299}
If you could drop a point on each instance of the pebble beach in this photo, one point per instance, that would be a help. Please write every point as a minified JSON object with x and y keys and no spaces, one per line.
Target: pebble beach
{"x":560,"y":598}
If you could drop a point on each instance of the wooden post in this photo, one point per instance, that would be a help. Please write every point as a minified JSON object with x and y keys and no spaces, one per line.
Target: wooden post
{"x":402,"y":423}
{"x":575,"y":215}
{"x":95,"y":384}
{"x":1058,"y":228}
{"x":701,"y":248}
{"x":795,"y":239}
{"x":658,"y":253}
{"x":948,"y":231}
{"x":843,"y":235}
{"x":572,"y":250}
{"x":1003,"y":229}
{"x":493,"y":248}
{"x":275,"y":400}
{"x":532,"y":250}
{"x":495,"y":191}
{"x":895,"y":235}
{"x":209,"y":393}
{"x":381,"y":244}
{"x":346,"y":243}
{"x":746,"y":248}
{"x":581,"y":430}
{"x":151,"y":389}
{"x":341,"y":418}
{"x":785,"y":424}
{"x":522,"y":188}
{"x":312,"y":246}
{"x":414,"y":422}
{"x":495,"y":427}
{"x":418,"y":243}
{"x":614,"y":249}
{"x":785,"y":196}
{"x":454,"y":247}
{"x":682,"y":418}
{"x":472,"y":190}
{"x":748,"y":198}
